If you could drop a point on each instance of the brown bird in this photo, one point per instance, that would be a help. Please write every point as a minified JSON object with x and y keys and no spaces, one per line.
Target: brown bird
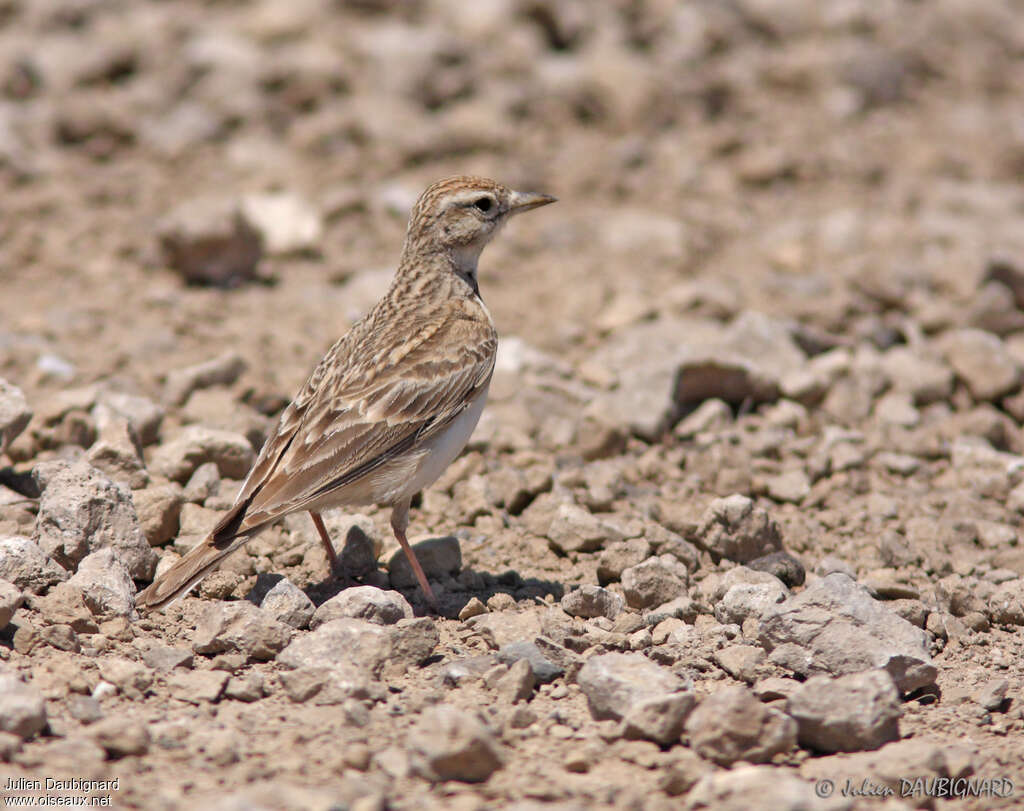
{"x":393,"y":402}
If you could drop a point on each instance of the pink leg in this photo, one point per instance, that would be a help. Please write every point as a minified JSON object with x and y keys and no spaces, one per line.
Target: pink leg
{"x":399,"y":523}
{"x":318,"y":522}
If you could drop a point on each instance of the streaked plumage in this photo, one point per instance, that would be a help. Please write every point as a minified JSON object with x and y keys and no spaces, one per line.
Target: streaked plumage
{"x":393,"y":401}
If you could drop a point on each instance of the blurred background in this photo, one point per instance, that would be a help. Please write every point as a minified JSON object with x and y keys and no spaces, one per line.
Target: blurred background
{"x":849,"y":164}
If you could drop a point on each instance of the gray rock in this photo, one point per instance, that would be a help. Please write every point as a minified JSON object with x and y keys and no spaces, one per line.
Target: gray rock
{"x":745,"y":363}
{"x":830,"y":564}
{"x":22,"y":708}
{"x":359,"y":545}
{"x":925,"y":379}
{"x":11,"y":599}
{"x":651,"y":701}
{"x":208,"y":241}
{"x":363,"y":648}
{"x":195,"y":445}
{"x":15,"y":414}
{"x":144,"y":415}
{"x":1005,"y":606}
{"x":203,"y":483}
{"x":121,"y":736}
{"x":84,"y":708}
{"x":240,"y":627}
{"x":841,"y":629}
{"x":81,"y":511}
{"x":736,"y":529}
{"x":366,"y":603}
{"x":618,"y":557}
{"x":740,"y":661}
{"x":437,"y":556}
{"x":681,"y":608}
{"x":222,"y":370}
{"x":450,"y":744}
{"x":287,"y":603}
{"x":164,"y":659}
{"x":749,"y":600}
{"x":747,"y":787}
{"x":992,"y":694}
{"x":517,"y":683}
{"x":654,"y":582}
{"x":791,"y":486}
{"x":659,"y":719}
{"x":248,"y":688}
{"x":711,"y":415}
{"x":197,"y":686}
{"x":783,"y":566}
{"x":158,"y":509}
{"x":105,"y":584}
{"x":592,"y":601}
{"x":544,"y":660}
{"x":646,"y":359}
{"x":848,"y":714}
{"x":715,"y":587}
{"x":731,"y":725}
{"x":982,"y":361}
{"x":131,"y":678}
{"x":286,"y":223}
{"x":117,"y":452}
{"x":464,"y":671}
{"x":575,"y":529}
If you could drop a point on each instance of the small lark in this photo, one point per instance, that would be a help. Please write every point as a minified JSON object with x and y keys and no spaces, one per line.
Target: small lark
{"x":393,"y":402}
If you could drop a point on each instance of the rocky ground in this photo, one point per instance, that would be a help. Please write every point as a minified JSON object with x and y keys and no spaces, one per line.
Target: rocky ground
{"x":740,"y":522}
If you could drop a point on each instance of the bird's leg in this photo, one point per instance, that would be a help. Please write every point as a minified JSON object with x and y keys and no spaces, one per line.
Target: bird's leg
{"x":332,"y":557}
{"x":399,"y":523}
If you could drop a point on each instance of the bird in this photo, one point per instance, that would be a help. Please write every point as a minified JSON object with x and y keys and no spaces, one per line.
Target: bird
{"x":392,"y":403}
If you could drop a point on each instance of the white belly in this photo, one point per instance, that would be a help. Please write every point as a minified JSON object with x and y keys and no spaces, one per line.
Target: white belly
{"x":399,"y":479}
{"x":442,"y":449}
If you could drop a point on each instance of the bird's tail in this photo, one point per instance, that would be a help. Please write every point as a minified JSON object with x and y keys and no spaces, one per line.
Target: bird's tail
{"x":230,"y":533}
{"x":177,"y":581}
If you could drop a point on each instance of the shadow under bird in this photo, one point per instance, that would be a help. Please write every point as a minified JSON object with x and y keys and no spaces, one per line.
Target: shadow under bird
{"x":393,"y":402}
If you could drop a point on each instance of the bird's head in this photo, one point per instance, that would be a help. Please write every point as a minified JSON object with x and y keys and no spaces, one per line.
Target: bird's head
{"x":460,"y":215}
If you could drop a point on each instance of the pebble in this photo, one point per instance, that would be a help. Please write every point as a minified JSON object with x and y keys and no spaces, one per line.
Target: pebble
{"x":209,"y":242}
{"x":22,"y":708}
{"x":517,"y":683}
{"x":158,"y":508}
{"x":27,"y":566}
{"x":286,"y":223}
{"x":120,"y":736}
{"x":992,"y":694}
{"x":287,"y":603}
{"x":11,"y":599}
{"x":592,"y":601}
{"x":15,"y":414}
{"x":980,"y":359}
{"x":654,"y":582}
{"x":438,"y":557}
{"x":834,"y":626}
{"x":650,"y":700}
{"x":451,"y":744}
{"x":545,"y":669}
{"x":736,"y":529}
{"x":196,"y":445}
{"x":846,"y":714}
{"x":240,"y":627}
{"x":81,"y":510}
{"x":731,"y":725}
{"x":747,"y":787}
{"x":783,"y":566}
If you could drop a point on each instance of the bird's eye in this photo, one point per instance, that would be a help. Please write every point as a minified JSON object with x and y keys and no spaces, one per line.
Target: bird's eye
{"x":483,"y":203}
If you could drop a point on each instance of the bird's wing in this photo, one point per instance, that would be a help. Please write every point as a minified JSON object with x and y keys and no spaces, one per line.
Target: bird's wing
{"x":356,"y":413}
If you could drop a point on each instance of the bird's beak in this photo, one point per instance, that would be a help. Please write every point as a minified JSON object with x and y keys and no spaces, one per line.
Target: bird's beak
{"x":526,"y":200}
